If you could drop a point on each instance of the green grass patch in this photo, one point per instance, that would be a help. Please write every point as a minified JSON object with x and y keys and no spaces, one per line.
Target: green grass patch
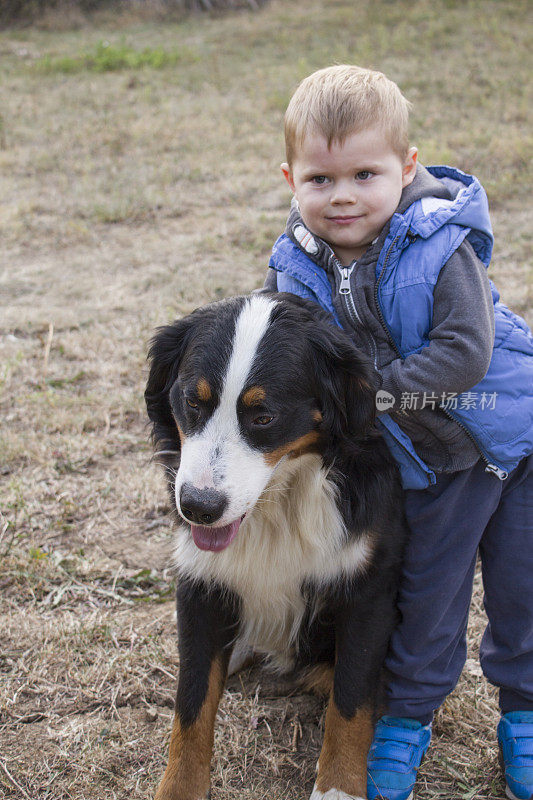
{"x":61,"y":383}
{"x":107,"y":57}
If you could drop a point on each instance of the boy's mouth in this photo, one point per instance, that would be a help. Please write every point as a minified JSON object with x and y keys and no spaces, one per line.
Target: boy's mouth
{"x":341,"y":220}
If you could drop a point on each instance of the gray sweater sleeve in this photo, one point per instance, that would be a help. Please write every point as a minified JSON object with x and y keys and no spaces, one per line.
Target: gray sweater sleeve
{"x":462,"y":334}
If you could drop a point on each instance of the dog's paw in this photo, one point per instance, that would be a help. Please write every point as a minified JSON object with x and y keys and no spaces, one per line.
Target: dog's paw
{"x":172,"y":792}
{"x":180,"y":796}
{"x":333,"y":794}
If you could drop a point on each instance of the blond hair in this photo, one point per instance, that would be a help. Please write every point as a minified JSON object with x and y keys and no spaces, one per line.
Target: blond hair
{"x":337,"y":101}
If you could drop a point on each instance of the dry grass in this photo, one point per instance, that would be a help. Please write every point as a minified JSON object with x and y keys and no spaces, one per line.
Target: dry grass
{"x":60,"y":15}
{"x":128,"y":198}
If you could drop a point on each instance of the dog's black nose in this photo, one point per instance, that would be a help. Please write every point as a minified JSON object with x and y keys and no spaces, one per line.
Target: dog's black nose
{"x":202,"y":506}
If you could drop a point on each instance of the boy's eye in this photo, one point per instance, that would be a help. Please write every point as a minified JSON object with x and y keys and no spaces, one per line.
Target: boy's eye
{"x":319,"y":179}
{"x":363,"y":175}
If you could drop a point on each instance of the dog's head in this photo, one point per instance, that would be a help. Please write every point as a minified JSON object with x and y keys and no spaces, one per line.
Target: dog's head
{"x":239,"y":386}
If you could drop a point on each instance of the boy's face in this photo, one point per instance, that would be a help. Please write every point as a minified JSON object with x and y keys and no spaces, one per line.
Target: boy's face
{"x":348,"y":192}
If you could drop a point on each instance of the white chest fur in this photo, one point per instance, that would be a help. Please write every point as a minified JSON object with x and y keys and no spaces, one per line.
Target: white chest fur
{"x":294,"y":534}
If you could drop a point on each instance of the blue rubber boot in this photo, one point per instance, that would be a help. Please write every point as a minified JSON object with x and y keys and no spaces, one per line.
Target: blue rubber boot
{"x":394,"y":757}
{"x":515,"y":736}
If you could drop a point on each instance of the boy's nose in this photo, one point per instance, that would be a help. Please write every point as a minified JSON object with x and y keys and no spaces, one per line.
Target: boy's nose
{"x":344,"y":193}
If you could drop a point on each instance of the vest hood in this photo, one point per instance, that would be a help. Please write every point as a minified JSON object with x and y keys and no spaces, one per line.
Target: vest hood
{"x":443,"y":195}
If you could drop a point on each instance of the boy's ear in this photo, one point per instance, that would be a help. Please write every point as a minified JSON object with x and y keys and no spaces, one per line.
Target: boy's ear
{"x":409,"y":167}
{"x":288,"y":175}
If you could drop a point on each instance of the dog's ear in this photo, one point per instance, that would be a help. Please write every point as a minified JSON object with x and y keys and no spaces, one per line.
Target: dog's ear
{"x":166,"y":351}
{"x":346,"y":383}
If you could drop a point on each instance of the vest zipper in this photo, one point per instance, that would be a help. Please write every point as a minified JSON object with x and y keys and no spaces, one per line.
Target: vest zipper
{"x":376,"y":288}
{"x":492,"y":468}
{"x":345,"y":290}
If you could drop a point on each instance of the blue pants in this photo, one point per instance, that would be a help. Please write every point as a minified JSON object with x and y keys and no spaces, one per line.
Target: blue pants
{"x":465,"y":511}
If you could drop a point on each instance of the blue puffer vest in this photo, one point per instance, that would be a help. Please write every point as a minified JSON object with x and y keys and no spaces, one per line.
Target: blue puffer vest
{"x":419,"y":243}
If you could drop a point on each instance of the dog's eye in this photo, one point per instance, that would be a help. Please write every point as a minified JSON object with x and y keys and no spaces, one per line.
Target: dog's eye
{"x":264,"y":419}
{"x":191,"y":403}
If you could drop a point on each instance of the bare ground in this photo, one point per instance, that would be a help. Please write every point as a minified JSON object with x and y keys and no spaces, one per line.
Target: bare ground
{"x":128,"y":198}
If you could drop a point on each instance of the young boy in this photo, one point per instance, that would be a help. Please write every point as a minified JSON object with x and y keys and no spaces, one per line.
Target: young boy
{"x":398,"y":254}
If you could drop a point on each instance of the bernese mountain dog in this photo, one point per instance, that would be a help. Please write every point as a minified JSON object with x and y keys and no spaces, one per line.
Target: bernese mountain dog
{"x":290,"y":517}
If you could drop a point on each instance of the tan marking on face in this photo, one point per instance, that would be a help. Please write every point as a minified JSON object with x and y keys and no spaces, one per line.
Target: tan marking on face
{"x":342,"y":762}
{"x":203,"y":390}
{"x":181,"y":434}
{"x":318,"y":680}
{"x":305,"y":444}
{"x":187,"y":772}
{"x":317,"y":416}
{"x":254,"y":396}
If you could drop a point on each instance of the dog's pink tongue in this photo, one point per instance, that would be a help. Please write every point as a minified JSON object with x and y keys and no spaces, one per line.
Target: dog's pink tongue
{"x":214,"y":538}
